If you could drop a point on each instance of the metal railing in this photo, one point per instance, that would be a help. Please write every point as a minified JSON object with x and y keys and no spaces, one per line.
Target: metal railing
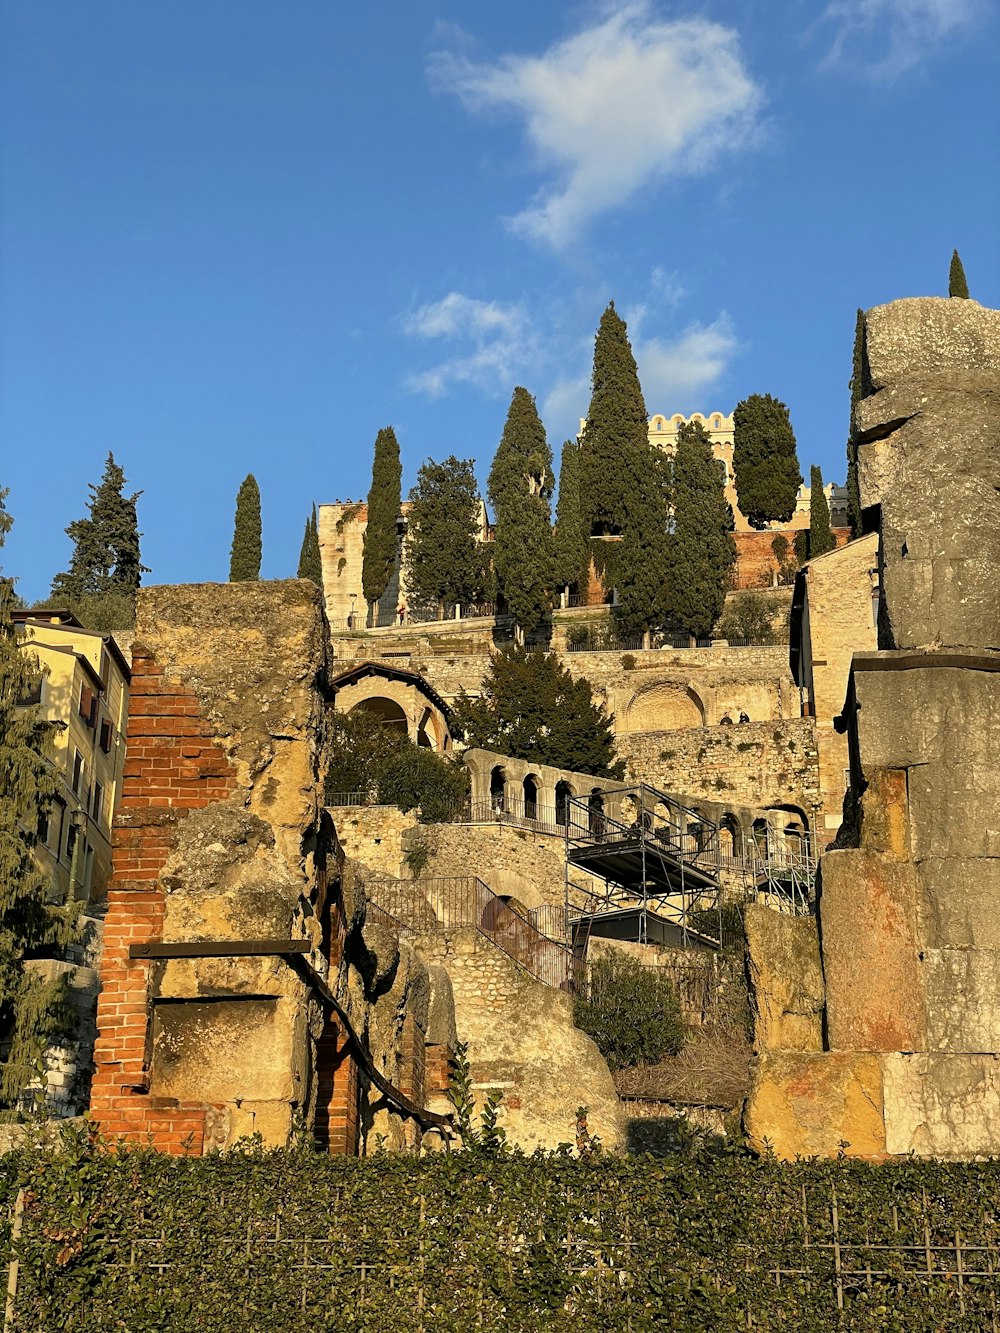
{"x":360,"y":620}
{"x":434,"y":906}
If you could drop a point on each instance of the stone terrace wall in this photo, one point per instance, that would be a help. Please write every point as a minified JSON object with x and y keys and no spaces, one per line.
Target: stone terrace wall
{"x":512,"y":862}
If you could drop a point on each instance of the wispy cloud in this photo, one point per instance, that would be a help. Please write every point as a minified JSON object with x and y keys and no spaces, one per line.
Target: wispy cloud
{"x":885,"y":38}
{"x":677,"y":372}
{"x":493,"y":344}
{"x":617,"y":107}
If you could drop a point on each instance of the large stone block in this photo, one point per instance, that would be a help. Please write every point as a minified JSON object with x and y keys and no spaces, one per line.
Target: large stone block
{"x":786,"y":980}
{"x":805,"y":1105}
{"x":963,"y":999}
{"x":874,"y":988}
{"x":939,"y":1105}
{"x":957,"y":904}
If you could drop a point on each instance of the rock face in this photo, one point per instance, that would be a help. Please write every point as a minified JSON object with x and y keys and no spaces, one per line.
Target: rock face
{"x":786,"y":980}
{"x":908,"y":921}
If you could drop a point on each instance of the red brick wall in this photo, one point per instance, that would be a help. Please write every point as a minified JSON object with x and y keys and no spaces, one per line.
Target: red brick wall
{"x":755,"y":558}
{"x":173,"y":765}
{"x":337,"y":1091}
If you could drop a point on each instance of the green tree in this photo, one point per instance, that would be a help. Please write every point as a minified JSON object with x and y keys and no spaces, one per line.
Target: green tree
{"x":821,"y":538}
{"x":641,"y":570}
{"x":520,"y":489}
{"x":615,"y":439}
{"x":310,"y":561}
{"x":244,"y":558}
{"x":413,"y":777}
{"x":381,"y":539}
{"x":857,"y":388}
{"x":702,"y":551}
{"x":631,"y":1012}
{"x":750,"y":616}
{"x":530,"y":707}
{"x":572,"y":537}
{"x":445,"y":560}
{"x":106,"y":559}
{"x":31,"y":1010}
{"x":957,"y":286}
{"x":764,"y":460}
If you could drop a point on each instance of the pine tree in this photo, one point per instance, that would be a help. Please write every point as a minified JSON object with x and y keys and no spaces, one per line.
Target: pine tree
{"x":764,"y":460}
{"x":957,"y":286}
{"x":641,"y":563}
{"x":106,"y":559}
{"x":310,"y":561}
{"x":520,"y":488}
{"x":572,"y":539}
{"x":615,"y":437}
{"x":382,"y":532}
{"x":821,"y":538}
{"x":445,"y":562}
{"x":31,"y":1011}
{"x":702,"y":550}
{"x":244,"y":558}
{"x":857,"y":393}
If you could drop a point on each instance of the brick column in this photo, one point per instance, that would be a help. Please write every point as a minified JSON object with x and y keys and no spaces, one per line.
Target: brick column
{"x":337,"y":1091}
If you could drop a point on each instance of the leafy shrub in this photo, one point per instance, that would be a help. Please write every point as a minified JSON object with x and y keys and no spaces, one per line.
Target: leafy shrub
{"x":577,"y":634}
{"x":412,"y":776}
{"x":628,"y":662}
{"x":749,"y":615}
{"x":631,"y":1012}
{"x":359,"y":744}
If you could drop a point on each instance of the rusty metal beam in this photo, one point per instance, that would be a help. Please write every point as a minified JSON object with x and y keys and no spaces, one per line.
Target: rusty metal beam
{"x":219,"y":949}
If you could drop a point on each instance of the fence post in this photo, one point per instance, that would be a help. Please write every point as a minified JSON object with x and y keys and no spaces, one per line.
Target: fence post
{"x":13,"y":1266}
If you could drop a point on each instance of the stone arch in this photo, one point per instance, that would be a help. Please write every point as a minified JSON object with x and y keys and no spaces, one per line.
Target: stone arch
{"x":564,"y":793}
{"x":498,"y":787}
{"x":729,"y":836}
{"x":664,"y":706}
{"x":388,"y":711}
{"x":530,"y":787}
{"x":595,"y":812}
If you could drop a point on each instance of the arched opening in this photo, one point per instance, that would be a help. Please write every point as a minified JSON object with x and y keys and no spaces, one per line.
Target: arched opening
{"x":426,"y":732}
{"x":595,"y":813}
{"x":530,"y":789}
{"x":564,"y":792}
{"x":388,"y":712}
{"x":759,"y":835}
{"x":729,"y":837}
{"x":498,"y":785}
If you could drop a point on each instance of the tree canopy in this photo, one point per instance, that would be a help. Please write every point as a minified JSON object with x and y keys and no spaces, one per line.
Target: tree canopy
{"x":31,"y":1010}
{"x":957,"y":285}
{"x":106,"y":558}
{"x":531,"y":707}
{"x":310,"y":561}
{"x":244,"y":557}
{"x":572,"y":537}
{"x":381,"y":541}
{"x":641,"y":569}
{"x":445,"y":561}
{"x":702,"y":550}
{"x":765,"y":460}
{"x":821,"y":537}
{"x":520,"y":489}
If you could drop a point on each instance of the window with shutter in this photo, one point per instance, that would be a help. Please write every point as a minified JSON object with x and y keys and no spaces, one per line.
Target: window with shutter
{"x":107,"y":735}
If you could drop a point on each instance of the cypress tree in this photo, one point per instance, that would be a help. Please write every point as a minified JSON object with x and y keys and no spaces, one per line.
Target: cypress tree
{"x":702,"y":550}
{"x":857,"y":392}
{"x":957,"y":286}
{"x":106,"y":559}
{"x":31,"y":1011}
{"x":310,"y":562}
{"x":764,"y":460}
{"x":572,"y":539}
{"x":520,"y":489}
{"x":444,"y":560}
{"x":642,"y":560}
{"x":615,"y":439}
{"x":244,"y":558}
{"x":821,"y":538}
{"x":381,"y":538}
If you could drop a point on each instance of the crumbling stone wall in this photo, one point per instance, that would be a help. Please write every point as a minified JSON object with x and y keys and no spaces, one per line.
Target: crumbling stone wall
{"x":910,"y":949}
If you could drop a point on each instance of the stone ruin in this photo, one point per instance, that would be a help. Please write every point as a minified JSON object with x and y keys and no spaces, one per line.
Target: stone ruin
{"x":245,"y":987}
{"x":878,"y":1026}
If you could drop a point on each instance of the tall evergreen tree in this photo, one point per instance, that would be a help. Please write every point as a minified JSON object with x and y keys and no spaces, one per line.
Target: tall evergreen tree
{"x":857,"y":392}
{"x":957,"y":286}
{"x":310,"y":561}
{"x":520,"y":489}
{"x":106,"y":558}
{"x":31,"y":1010}
{"x":641,"y":562}
{"x":572,"y":538}
{"x":615,"y":437}
{"x":702,"y":550}
{"x":382,"y":532}
{"x":764,"y":460}
{"x":821,"y":538}
{"x":244,"y":557}
{"x":444,"y":560}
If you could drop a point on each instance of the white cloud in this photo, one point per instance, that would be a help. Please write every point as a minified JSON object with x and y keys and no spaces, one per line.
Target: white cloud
{"x":680,"y":371}
{"x":617,"y":107}
{"x":496,"y":343}
{"x":884,"y":38}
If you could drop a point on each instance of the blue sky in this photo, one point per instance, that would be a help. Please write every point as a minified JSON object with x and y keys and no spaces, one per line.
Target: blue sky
{"x":242,"y":238}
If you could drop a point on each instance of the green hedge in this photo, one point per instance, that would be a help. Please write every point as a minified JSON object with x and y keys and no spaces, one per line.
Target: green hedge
{"x":289,"y":1242}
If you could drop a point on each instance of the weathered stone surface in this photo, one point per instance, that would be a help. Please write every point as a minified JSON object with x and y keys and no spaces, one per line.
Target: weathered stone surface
{"x":885,"y":811}
{"x":206,"y":1051}
{"x":441,"y":1028}
{"x":874,"y":987}
{"x":803,"y":1104}
{"x":927,"y":456}
{"x":939,"y":1105}
{"x":957,"y":903}
{"x":786,"y":980}
{"x":963,"y":999}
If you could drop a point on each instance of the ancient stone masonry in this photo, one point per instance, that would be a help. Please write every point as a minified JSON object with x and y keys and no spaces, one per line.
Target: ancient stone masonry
{"x":908,"y":1058}
{"x":238,"y":992}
